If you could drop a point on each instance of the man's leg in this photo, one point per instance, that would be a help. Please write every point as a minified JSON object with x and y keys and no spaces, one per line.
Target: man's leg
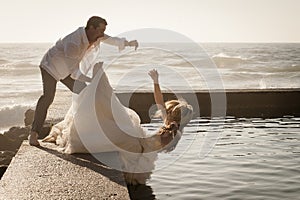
{"x":49,"y":88}
{"x":74,"y":85}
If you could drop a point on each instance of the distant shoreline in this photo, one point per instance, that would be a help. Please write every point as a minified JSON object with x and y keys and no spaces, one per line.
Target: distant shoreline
{"x":204,"y":42}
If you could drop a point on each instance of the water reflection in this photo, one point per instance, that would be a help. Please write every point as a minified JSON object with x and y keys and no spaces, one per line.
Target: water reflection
{"x":140,"y":192}
{"x":253,"y":158}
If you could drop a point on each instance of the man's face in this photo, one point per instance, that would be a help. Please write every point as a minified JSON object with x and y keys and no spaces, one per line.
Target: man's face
{"x":100,"y":30}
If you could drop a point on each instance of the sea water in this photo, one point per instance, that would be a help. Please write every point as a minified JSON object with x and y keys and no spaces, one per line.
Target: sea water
{"x":234,"y":158}
{"x":182,"y":66}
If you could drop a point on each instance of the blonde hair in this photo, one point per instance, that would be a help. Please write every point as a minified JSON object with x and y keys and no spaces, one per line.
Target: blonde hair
{"x":178,"y":111}
{"x":178,"y":115}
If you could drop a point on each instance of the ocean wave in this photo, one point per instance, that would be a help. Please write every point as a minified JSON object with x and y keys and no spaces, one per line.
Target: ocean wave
{"x":224,"y":60}
{"x":19,"y":69}
{"x":23,"y":65}
{"x":12,"y":115}
{"x":286,"y":69}
{"x":3,"y":61}
{"x":268,"y":69}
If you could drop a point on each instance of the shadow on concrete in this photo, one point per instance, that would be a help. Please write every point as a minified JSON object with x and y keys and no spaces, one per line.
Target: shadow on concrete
{"x":88,"y":161}
{"x":136,"y":192}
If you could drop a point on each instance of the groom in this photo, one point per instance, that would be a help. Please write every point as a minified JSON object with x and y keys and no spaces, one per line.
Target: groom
{"x":61,"y":63}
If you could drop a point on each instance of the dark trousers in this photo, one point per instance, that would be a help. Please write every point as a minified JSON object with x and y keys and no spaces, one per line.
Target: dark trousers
{"x":49,"y":88}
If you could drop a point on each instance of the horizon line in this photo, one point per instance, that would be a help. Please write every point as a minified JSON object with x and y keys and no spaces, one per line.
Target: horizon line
{"x":231,"y":42}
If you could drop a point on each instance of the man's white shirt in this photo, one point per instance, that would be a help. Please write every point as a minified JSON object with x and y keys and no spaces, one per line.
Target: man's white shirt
{"x":64,"y":58}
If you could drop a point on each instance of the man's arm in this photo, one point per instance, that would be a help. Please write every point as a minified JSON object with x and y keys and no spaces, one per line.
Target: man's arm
{"x":81,"y":77}
{"x":132,"y":43}
{"x":119,"y":42}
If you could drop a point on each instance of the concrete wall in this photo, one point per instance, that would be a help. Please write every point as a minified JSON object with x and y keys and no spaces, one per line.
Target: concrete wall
{"x":238,"y":103}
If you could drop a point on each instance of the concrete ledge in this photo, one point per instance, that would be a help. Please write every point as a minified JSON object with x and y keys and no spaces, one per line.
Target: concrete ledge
{"x":263,"y":103}
{"x":44,"y":173}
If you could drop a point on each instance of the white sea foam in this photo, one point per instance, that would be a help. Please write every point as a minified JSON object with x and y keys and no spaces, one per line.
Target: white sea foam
{"x":13,"y":115}
{"x":3,"y":61}
{"x":224,"y":60}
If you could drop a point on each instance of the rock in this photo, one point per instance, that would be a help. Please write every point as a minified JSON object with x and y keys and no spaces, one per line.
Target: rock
{"x":7,"y":144}
{"x":2,"y":170}
{"x":5,"y":157}
{"x":17,"y":133}
{"x":29,"y":116}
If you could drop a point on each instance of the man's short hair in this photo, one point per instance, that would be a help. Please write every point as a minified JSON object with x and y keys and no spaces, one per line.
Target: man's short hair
{"x":95,"y":21}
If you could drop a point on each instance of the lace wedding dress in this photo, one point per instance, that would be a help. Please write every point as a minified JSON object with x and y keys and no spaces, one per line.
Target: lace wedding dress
{"x":98,"y":122}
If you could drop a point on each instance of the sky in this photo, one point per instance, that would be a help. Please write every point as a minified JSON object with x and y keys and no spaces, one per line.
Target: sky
{"x":199,"y":20}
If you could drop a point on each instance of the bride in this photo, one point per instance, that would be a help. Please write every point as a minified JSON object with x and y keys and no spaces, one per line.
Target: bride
{"x":98,"y":122}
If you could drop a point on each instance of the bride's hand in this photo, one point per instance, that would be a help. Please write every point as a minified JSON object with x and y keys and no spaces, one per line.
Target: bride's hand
{"x":154,"y":75}
{"x":96,"y":68}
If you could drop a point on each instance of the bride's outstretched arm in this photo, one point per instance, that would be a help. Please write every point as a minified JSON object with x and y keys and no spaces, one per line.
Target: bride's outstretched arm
{"x":159,"y":100}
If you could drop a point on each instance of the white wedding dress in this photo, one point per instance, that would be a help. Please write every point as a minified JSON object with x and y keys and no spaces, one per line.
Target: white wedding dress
{"x":98,"y":122}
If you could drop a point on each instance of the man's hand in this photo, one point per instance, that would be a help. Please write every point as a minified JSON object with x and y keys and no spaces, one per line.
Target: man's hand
{"x":133,"y":43}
